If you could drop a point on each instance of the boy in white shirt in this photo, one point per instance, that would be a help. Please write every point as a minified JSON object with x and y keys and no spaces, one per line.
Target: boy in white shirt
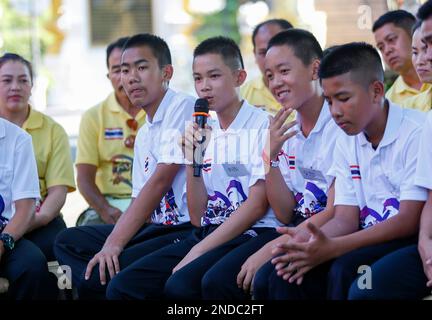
{"x":377,"y":205}
{"x":21,"y":261}
{"x":227,"y":202}
{"x":407,"y":272}
{"x":296,"y":181}
{"x":158,"y":215}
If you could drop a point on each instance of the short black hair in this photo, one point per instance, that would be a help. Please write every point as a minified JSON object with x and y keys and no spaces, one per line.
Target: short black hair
{"x":118,"y":44}
{"x":225,"y":47}
{"x":305,"y":46}
{"x":416,"y":26}
{"x":17,"y":58}
{"x":282,"y":23}
{"x":400,"y":18}
{"x":359,"y":58}
{"x":425,"y":11}
{"x":157,"y":45}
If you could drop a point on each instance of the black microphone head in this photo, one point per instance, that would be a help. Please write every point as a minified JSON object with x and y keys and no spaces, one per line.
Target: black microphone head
{"x":201,"y":105}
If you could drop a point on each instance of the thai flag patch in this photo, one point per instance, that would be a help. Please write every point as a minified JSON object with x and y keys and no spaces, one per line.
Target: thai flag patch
{"x":113,"y":133}
{"x":355,"y":172}
{"x":207,"y":165}
{"x":291,"y":162}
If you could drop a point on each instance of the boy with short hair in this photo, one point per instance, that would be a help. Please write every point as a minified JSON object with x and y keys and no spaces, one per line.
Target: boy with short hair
{"x":228,"y":201}
{"x":158,"y":177}
{"x":296,"y":182}
{"x":377,"y":205}
{"x":407,"y":272}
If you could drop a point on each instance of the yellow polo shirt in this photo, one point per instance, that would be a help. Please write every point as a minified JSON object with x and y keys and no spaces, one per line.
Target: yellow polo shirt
{"x":102,"y":132}
{"x":52,"y":152}
{"x":405,"y":96}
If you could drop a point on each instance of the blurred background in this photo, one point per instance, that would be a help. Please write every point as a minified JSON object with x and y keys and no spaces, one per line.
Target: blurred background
{"x":66,"y":41}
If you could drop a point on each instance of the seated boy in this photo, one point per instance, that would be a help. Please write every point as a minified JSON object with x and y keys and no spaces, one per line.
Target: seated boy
{"x":377,"y":205}
{"x":158,"y":214}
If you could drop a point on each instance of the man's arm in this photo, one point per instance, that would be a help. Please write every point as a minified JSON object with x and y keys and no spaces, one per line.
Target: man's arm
{"x":19,"y":224}
{"x":147,"y":200}
{"x":50,"y":208}
{"x":86,"y":180}
{"x":196,"y":196}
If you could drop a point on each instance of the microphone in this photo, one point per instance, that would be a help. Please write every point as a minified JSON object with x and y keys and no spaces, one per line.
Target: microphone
{"x":200,"y":115}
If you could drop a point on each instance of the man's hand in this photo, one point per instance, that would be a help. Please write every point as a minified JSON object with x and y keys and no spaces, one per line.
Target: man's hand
{"x":107,"y":257}
{"x":110,"y":214}
{"x":300,"y":257}
{"x":192,"y":255}
{"x":278,"y":131}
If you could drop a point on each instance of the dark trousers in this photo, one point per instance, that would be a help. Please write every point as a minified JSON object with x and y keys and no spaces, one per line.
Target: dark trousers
{"x":26,"y":269}
{"x":331,"y":280}
{"x":151,"y":277}
{"x":44,"y":237}
{"x":220,"y":282}
{"x":398,"y":275}
{"x":75,"y":247}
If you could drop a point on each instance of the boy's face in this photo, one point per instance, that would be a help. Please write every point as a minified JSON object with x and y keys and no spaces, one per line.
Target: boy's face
{"x":215,"y":81}
{"x":422,"y":66}
{"x":426,"y":31}
{"x":290,"y":81}
{"x":395,"y":46}
{"x":144,"y":82}
{"x":351,"y":104}
{"x":262,"y":38}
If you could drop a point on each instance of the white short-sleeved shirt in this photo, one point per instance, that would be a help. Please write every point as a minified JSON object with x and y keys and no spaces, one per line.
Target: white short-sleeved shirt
{"x":305,"y":162}
{"x":423,"y":176}
{"x":18,"y":172}
{"x":157,"y":142}
{"x":233,"y":163}
{"x":377,"y":180}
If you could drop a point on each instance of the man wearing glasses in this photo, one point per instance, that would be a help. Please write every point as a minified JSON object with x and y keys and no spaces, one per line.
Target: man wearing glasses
{"x":105,"y":149}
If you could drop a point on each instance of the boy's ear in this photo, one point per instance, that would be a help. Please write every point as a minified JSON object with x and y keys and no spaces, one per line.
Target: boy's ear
{"x":315,"y":68}
{"x":378,"y":91}
{"x":241,"y":77}
{"x":167,"y":72}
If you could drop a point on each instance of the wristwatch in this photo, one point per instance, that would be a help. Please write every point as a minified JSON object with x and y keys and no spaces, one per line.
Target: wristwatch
{"x":8,"y":241}
{"x":274,"y":163}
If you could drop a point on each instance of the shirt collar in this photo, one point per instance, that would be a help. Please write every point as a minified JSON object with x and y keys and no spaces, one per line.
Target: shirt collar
{"x":115,"y":107}
{"x":34,"y":120}
{"x":401,"y":86}
{"x":323,"y":119}
{"x":162,"y":108}
{"x":392,"y":129}
{"x":2,"y":128}
{"x":239,"y":122}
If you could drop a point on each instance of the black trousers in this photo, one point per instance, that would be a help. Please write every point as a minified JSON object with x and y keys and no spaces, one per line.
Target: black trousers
{"x":151,"y":277}
{"x":44,"y":237}
{"x":76,"y":246}
{"x":26,"y":269}
{"x":331,"y":280}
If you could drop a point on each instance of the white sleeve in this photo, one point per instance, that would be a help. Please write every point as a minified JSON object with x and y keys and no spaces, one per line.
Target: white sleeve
{"x":138,"y":165}
{"x":408,"y":189}
{"x":25,"y":183}
{"x":173,"y":128}
{"x":344,"y":187}
{"x":423,"y":175}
